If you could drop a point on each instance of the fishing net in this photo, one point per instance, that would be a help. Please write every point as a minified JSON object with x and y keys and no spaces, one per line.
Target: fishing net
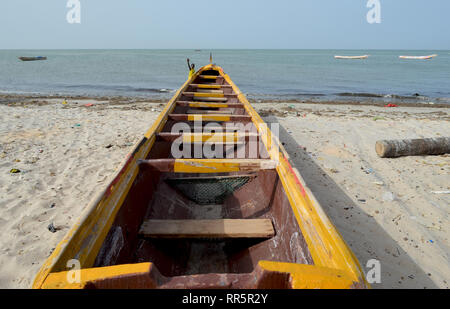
{"x":206,"y":191}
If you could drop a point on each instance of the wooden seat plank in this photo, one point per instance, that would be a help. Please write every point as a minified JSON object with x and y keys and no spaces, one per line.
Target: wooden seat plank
{"x":219,"y":228}
{"x":208,"y":165}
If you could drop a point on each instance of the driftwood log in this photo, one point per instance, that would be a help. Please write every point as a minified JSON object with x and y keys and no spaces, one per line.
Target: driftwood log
{"x":413,"y":147}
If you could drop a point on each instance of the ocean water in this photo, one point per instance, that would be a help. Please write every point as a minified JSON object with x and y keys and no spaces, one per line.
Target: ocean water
{"x":261,"y":74}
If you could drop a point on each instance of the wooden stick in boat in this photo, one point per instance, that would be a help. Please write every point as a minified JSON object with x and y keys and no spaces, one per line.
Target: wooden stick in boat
{"x":412,"y":147}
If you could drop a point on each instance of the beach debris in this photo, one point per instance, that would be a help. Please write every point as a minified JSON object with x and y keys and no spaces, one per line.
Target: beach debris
{"x":32,"y":160}
{"x":368,"y":170}
{"x":388,"y":197}
{"x":52,"y":205}
{"x":378,"y":118}
{"x":391,"y":105}
{"x":14,"y":171}
{"x":108,"y":146}
{"x":440,"y":192}
{"x":378,"y":183}
{"x":361,"y":200}
{"x":89,"y":105}
{"x":431,"y":241}
{"x":64,"y":102}
{"x":412,"y":147}
{"x":51,"y":227}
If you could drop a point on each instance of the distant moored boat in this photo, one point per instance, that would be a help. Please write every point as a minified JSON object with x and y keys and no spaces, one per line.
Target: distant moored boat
{"x":352,"y":57}
{"x":418,"y":57}
{"x":32,"y":58}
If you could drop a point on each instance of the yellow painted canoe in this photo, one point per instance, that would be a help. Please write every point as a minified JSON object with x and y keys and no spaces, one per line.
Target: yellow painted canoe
{"x":243,"y":220}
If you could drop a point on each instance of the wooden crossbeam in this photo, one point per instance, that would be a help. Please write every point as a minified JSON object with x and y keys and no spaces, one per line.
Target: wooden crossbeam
{"x":207,"y":165}
{"x":209,"y":76}
{"x":219,"y":228}
{"x":210,"y":117}
{"x":212,"y":105}
{"x":211,"y":99}
{"x":207,"y":86}
{"x":207,"y":94}
{"x":210,"y":91}
{"x":210,"y":137}
{"x":202,"y":111}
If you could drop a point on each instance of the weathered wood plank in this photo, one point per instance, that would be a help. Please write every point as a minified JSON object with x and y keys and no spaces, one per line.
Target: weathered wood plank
{"x":207,"y":165}
{"x":210,"y":117}
{"x":219,"y":228}
{"x":207,"y":136}
{"x":202,"y":111}
{"x":212,"y":105}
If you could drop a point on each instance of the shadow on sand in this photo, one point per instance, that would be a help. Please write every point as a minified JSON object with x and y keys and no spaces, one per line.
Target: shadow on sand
{"x":366,"y":238}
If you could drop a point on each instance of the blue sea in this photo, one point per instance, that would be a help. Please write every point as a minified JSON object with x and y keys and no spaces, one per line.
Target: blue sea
{"x":261,"y":74}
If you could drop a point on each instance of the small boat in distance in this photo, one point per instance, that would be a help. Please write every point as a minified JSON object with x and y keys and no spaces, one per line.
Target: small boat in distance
{"x":32,"y":58}
{"x":418,"y":57}
{"x":352,"y":57}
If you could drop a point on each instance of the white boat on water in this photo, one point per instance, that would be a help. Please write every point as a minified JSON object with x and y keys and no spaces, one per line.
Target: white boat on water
{"x":352,"y":57}
{"x":418,"y":57}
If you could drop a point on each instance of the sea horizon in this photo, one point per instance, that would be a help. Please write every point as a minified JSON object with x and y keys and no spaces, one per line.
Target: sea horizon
{"x":262,"y":74}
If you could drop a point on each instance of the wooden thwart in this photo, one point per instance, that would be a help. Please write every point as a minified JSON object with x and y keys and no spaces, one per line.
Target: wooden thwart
{"x":210,"y":86}
{"x":209,"y":117}
{"x":211,"y":99}
{"x":213,"y":105}
{"x":170,"y":137}
{"x":207,"y":165}
{"x":210,"y":91}
{"x":209,"y":76}
{"x":200,"y":111}
{"x":219,"y":228}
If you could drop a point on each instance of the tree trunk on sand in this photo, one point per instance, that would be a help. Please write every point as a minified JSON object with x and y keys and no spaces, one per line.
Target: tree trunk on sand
{"x":412,"y":147}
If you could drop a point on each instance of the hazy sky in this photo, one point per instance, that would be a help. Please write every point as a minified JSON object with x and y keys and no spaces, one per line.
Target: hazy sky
{"x":208,"y":24}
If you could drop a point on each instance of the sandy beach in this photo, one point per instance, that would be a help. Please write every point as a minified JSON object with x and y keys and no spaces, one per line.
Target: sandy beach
{"x":392,"y":210}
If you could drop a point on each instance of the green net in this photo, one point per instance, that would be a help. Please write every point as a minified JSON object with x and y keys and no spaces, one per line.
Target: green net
{"x":211,"y":190}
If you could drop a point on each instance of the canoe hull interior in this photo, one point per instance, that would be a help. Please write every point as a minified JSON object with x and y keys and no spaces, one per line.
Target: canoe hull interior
{"x":152,"y":197}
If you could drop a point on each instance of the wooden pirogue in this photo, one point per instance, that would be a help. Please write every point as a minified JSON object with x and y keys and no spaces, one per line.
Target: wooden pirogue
{"x":240,"y":222}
